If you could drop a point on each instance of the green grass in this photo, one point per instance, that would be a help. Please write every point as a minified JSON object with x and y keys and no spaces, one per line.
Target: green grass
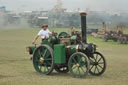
{"x":17,"y":69}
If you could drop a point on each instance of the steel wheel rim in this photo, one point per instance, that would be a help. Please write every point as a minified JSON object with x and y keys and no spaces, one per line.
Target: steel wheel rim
{"x":43,"y":60}
{"x":78,"y":65}
{"x":97,"y":64}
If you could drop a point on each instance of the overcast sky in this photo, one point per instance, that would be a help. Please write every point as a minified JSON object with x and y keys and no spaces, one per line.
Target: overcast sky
{"x":69,"y":4}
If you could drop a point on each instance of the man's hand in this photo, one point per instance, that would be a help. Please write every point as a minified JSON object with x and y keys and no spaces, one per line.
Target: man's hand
{"x":33,"y":42}
{"x":50,"y":35}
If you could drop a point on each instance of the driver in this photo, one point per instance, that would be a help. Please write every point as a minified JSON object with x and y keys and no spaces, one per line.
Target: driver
{"x":44,"y":33}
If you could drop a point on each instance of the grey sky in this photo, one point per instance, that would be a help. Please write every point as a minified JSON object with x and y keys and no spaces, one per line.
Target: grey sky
{"x":70,"y":4}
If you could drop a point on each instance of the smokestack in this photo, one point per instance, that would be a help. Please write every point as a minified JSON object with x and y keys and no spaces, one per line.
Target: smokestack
{"x":83,"y":27}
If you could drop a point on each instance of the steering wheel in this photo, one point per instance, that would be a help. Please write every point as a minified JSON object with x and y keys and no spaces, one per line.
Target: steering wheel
{"x":63,"y":34}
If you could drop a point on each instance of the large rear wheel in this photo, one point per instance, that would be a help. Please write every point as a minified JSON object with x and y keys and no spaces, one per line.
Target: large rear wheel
{"x":43,"y":59}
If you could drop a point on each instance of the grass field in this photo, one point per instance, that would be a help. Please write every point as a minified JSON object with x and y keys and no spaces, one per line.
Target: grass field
{"x":17,"y":69}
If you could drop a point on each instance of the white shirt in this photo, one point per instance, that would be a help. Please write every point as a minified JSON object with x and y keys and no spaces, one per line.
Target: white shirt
{"x":44,"y":33}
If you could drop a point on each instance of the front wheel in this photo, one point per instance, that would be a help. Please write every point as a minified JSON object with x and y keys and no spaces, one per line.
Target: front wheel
{"x":97,"y":64}
{"x":78,"y":64}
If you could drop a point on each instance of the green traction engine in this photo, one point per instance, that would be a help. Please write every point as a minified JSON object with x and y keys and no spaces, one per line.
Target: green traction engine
{"x":68,"y":53}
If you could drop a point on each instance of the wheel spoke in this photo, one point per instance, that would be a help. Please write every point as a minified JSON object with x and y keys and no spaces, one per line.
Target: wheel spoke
{"x":72,"y":63}
{"x":37,"y":62}
{"x":74,"y":60}
{"x":91,"y":62}
{"x":37,"y":58}
{"x":79,"y":60}
{"x":97,"y":69}
{"x":48,"y":59}
{"x":48,"y":63}
{"x":92,"y":67}
{"x":40,"y":68}
{"x":39,"y":53}
{"x":101,"y":63}
{"x":96,"y":57}
{"x":85,"y":64}
{"x":100,"y":66}
{"x":79,"y":70}
{"x":99,"y":60}
{"x":74,"y":67}
{"x":44,"y":68}
{"x":82,"y":69}
{"x":93,"y":59}
{"x":76,"y":70}
{"x":45,"y":52}
{"x":41,"y":64}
